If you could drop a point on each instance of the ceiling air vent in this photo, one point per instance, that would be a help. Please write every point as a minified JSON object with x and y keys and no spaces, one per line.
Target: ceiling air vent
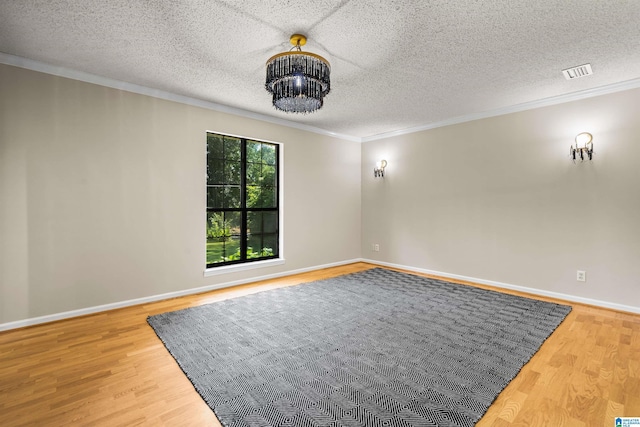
{"x":576,"y":72}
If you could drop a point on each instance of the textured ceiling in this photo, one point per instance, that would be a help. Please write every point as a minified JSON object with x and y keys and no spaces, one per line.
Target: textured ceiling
{"x":396,"y":64}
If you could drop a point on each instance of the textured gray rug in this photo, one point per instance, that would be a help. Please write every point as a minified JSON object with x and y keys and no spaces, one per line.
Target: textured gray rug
{"x":375,"y":348}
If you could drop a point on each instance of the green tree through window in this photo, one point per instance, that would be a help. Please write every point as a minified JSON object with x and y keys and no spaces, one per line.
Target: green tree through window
{"x":242,"y":200}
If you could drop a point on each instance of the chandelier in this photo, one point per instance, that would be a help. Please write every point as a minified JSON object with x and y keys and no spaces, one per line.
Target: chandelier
{"x":298,"y":80}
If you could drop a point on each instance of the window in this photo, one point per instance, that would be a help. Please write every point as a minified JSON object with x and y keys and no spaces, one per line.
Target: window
{"x":242,"y":200}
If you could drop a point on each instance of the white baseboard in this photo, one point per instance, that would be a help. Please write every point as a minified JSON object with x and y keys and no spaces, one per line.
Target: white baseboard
{"x":533,"y":291}
{"x":100,"y":308}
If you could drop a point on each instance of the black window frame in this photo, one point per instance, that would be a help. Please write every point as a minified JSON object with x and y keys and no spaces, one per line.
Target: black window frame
{"x":244,"y":211}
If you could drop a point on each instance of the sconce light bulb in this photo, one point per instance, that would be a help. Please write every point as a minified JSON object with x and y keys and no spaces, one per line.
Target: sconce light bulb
{"x":378,"y":171}
{"x":582,"y":139}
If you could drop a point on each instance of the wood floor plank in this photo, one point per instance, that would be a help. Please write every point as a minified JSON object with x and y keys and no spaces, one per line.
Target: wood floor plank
{"x":110,"y":369}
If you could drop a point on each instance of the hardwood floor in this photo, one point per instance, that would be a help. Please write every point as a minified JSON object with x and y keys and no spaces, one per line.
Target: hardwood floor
{"x":110,"y":369}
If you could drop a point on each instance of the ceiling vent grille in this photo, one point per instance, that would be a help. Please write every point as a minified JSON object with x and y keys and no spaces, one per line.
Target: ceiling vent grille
{"x":577,"y":72}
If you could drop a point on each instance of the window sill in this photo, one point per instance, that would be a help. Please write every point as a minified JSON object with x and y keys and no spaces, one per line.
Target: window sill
{"x":242,"y":267}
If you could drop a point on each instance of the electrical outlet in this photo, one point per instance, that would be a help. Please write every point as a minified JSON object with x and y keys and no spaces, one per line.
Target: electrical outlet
{"x":581,"y":276}
{"x":376,"y":247}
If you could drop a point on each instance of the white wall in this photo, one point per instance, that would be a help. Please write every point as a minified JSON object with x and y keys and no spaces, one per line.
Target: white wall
{"x":499,"y":200}
{"x":102,"y":195}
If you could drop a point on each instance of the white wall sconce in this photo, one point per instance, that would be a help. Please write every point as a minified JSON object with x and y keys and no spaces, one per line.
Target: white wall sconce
{"x":583,"y":148}
{"x":378,"y":171}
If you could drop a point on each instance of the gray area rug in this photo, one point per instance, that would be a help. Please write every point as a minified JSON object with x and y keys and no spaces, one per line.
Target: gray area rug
{"x":374,"y":348}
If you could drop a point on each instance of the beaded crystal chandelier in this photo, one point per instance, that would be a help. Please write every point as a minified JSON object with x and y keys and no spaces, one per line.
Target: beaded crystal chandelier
{"x":298,"y":80}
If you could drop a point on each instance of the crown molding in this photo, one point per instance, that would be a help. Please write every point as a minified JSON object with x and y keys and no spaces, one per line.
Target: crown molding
{"x":554,"y":100}
{"x":42,"y":67}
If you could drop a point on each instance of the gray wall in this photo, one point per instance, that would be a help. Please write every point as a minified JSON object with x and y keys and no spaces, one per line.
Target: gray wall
{"x":499,"y":200}
{"x":102,"y":195}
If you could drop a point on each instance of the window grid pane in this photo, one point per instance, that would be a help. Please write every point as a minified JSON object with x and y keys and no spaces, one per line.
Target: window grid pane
{"x":241,"y":230}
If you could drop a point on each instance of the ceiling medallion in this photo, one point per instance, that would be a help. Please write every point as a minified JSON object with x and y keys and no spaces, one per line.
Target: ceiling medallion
{"x":298,"y":80}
